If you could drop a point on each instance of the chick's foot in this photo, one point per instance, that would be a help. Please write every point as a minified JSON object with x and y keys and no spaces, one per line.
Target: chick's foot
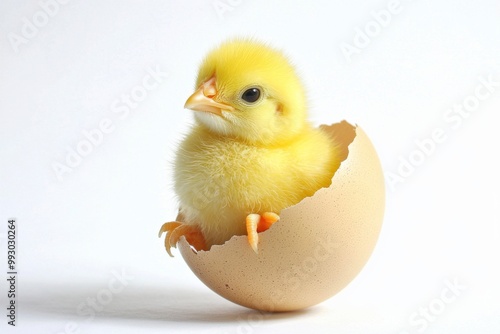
{"x":256,"y":223}
{"x":175,"y":230}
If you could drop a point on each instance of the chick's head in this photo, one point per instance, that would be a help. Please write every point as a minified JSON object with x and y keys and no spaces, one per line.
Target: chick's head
{"x":249,"y":91}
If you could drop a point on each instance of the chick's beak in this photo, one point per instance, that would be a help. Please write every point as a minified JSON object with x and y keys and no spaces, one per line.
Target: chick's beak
{"x":203,"y":99}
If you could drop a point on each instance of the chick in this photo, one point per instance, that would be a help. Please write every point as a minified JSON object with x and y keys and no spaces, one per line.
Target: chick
{"x":251,"y":152}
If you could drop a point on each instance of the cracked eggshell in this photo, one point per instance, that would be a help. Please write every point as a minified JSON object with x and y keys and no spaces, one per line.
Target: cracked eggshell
{"x":318,"y":246}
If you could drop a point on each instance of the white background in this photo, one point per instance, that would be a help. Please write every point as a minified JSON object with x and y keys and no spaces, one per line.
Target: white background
{"x":441,"y":224}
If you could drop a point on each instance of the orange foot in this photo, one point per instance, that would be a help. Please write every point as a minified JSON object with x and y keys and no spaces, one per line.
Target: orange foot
{"x":256,"y":223}
{"x":176,"y":230}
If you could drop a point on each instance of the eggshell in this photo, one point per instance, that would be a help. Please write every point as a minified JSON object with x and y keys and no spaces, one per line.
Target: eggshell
{"x":315,"y":250}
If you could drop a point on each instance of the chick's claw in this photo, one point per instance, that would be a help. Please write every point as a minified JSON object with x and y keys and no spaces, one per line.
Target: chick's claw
{"x":256,"y":223}
{"x":175,"y":230}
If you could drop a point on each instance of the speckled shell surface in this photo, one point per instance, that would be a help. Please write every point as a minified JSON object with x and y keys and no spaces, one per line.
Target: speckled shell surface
{"x":315,"y":250}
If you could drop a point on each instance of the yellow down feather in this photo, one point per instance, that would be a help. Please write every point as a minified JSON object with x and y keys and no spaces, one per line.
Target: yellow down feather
{"x":260,"y":157}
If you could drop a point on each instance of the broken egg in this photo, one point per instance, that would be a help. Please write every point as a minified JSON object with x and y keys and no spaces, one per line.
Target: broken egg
{"x":318,"y":246}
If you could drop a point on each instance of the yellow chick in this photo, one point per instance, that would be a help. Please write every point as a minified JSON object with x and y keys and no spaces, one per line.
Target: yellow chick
{"x":251,"y":152}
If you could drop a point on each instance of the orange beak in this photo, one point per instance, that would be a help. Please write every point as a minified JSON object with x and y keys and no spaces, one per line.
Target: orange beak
{"x":203,"y":99}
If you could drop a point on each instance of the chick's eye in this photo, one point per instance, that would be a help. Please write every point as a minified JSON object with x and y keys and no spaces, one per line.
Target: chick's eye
{"x":251,"y":95}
